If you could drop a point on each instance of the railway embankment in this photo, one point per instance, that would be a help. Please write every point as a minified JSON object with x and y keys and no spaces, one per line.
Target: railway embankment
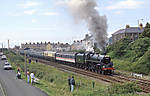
{"x":132,"y":56}
{"x":54,"y":82}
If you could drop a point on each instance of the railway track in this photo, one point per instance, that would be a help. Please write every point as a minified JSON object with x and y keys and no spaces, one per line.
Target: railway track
{"x":143,"y":84}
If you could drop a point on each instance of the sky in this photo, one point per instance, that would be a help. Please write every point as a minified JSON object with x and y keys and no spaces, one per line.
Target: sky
{"x":48,"y":20}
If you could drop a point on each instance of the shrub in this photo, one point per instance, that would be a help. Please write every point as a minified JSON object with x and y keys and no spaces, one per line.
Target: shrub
{"x":135,"y":53}
{"x":143,"y":64}
{"x":146,"y":32}
{"x":119,"y":47}
{"x":125,"y":88}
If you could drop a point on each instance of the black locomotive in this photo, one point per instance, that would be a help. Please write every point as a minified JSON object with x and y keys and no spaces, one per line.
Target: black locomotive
{"x":95,"y":62}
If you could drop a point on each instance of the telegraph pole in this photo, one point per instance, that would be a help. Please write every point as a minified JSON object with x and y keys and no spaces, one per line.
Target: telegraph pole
{"x":25,"y":65}
{"x":2,"y":47}
{"x":8,"y":48}
{"x":8,"y":45}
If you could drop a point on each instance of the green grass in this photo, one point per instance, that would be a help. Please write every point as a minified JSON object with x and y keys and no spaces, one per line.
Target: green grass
{"x":122,"y":64}
{"x":131,"y":56}
{"x":54,"y":82}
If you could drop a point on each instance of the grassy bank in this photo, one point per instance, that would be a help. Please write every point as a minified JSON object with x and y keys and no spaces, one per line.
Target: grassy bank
{"x":54,"y":82}
{"x":133,"y":56}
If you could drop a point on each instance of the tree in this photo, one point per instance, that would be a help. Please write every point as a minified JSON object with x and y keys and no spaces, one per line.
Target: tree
{"x":119,"y":47}
{"x":146,"y":32}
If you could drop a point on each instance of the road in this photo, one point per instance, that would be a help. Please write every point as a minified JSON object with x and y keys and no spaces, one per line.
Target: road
{"x":1,"y":90}
{"x":15,"y":87}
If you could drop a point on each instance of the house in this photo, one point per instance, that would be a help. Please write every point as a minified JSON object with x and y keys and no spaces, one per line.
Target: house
{"x":86,"y":44}
{"x":131,"y":32}
{"x":38,"y":46}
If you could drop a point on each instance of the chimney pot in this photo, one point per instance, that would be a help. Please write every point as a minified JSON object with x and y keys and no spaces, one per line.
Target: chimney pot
{"x":127,"y":26}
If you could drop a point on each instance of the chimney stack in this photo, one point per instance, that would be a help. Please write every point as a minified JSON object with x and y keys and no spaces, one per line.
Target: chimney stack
{"x":127,"y":26}
{"x":141,"y":26}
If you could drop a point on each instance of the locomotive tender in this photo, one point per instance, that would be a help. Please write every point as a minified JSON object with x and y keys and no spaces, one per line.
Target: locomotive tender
{"x":88,"y":61}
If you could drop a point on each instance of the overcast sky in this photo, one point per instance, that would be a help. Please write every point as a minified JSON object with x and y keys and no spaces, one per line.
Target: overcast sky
{"x":47,"y":20}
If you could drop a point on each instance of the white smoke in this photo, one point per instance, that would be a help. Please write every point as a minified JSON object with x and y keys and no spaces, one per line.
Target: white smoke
{"x":85,"y":10}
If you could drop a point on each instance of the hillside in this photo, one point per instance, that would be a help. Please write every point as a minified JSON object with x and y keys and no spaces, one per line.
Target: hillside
{"x":130,"y":55}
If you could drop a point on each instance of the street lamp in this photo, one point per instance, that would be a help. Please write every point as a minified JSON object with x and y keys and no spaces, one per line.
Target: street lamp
{"x":25,"y":58}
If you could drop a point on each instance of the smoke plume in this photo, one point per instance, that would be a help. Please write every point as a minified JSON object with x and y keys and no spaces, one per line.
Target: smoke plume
{"x":85,"y":10}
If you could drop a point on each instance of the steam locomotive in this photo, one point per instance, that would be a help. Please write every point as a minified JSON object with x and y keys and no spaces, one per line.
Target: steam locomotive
{"x":89,"y":61}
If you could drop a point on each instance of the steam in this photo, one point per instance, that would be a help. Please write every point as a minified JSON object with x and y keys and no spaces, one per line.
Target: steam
{"x":85,"y":10}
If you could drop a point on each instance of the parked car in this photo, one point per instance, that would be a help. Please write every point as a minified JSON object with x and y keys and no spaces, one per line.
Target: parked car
{"x":1,"y":53}
{"x":4,"y":57}
{"x":7,"y":66}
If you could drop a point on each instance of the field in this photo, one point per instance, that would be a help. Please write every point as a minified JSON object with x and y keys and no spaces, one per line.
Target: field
{"x":54,"y":82}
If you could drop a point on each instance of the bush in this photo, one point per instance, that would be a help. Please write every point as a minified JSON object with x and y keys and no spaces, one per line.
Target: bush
{"x":143,"y":64}
{"x":131,"y":56}
{"x":125,"y":88}
{"x":40,"y":74}
{"x":137,"y":49}
{"x":122,"y":64}
{"x":146,"y":32}
{"x":119,"y":47}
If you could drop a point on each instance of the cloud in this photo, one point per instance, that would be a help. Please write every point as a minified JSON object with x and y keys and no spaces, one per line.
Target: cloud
{"x":29,"y":4}
{"x":14,"y":14}
{"x":126,"y":4}
{"x":49,"y":13}
{"x":30,"y":12}
{"x":43,"y":28}
{"x":61,"y":2}
{"x":34,"y":21}
{"x":118,"y":12}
